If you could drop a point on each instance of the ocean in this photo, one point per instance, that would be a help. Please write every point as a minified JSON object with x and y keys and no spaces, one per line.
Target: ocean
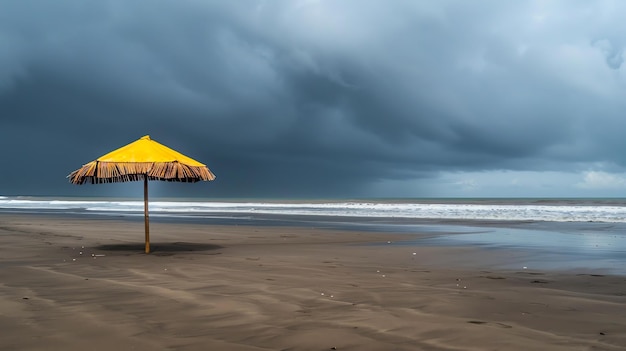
{"x":608,"y":210}
{"x":552,"y":233}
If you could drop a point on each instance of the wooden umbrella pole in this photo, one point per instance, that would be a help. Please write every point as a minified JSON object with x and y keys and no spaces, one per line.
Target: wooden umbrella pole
{"x":145,"y":212}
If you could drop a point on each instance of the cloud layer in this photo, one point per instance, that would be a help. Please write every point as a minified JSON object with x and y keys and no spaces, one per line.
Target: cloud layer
{"x":313,"y":98}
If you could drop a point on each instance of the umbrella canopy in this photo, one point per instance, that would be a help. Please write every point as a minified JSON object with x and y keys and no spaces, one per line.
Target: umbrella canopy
{"x":138,"y":160}
{"x":144,"y":159}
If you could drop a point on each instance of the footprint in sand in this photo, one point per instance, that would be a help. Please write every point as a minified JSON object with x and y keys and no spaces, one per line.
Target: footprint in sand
{"x":477,"y":322}
{"x":492,"y":277}
{"x":502,"y":325}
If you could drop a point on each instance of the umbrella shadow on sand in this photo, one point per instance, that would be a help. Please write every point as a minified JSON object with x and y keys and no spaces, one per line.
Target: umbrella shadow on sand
{"x":161,"y":249}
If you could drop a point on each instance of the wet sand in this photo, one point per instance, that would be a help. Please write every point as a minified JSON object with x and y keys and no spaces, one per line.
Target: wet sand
{"x":78,"y":283}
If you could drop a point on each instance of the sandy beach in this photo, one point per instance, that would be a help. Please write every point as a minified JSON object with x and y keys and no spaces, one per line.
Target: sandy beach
{"x":84,"y":283}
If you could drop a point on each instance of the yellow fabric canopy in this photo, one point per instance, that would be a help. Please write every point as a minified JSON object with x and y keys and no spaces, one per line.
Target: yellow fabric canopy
{"x":147,"y":150}
{"x":138,"y":160}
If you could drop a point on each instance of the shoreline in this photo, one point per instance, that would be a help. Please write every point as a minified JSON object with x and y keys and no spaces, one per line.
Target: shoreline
{"x":284,"y":288}
{"x":593,"y":247}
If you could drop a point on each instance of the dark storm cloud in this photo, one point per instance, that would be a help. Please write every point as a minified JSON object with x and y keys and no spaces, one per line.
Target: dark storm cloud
{"x":310,"y":98}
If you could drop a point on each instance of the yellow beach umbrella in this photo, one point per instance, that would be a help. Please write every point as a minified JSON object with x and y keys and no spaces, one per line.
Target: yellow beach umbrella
{"x":144,"y":159}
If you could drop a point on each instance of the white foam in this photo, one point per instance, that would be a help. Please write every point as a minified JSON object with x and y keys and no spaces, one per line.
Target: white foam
{"x":401,"y":209}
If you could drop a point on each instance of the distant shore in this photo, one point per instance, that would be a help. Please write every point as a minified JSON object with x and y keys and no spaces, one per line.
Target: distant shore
{"x":70,"y":282}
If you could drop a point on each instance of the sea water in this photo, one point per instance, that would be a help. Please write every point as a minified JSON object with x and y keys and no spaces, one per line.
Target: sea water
{"x":551,"y":210}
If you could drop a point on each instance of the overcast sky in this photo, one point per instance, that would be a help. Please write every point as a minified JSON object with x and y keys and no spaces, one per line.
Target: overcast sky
{"x":335,"y":98}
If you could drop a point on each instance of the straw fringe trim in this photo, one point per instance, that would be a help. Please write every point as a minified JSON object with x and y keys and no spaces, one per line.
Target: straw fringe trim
{"x":114,"y":172}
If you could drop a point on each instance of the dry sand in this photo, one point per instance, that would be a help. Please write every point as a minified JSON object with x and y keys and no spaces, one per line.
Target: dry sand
{"x":282,"y":288}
